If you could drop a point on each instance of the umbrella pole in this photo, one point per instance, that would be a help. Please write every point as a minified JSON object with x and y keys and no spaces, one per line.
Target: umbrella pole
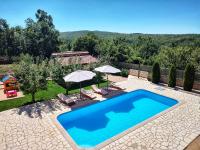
{"x":80,"y":90}
{"x":107,"y":81}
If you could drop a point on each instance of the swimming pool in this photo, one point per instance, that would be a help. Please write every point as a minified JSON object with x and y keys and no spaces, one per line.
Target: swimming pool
{"x":94,"y":124}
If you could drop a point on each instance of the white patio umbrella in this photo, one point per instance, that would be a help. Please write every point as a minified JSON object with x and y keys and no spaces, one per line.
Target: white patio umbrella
{"x":79,"y":76}
{"x":107,"y":69}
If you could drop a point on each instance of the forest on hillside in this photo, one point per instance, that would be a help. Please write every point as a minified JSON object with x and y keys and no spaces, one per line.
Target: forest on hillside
{"x":136,"y":48}
{"x":40,"y":38}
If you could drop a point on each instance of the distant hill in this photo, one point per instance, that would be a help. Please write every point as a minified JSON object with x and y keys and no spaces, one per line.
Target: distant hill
{"x":101,"y":34}
{"x":104,"y":34}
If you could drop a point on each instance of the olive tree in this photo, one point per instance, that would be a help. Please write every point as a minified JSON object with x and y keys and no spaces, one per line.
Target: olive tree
{"x":31,"y":76}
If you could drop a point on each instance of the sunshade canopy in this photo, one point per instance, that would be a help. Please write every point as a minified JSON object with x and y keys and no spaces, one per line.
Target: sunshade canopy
{"x":107,"y":69}
{"x":79,"y":76}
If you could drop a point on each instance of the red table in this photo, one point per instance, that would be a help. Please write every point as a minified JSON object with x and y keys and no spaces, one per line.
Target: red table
{"x":11,"y":93}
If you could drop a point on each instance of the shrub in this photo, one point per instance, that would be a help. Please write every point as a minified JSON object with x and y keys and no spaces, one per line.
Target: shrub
{"x":124,"y":73}
{"x":172,"y":77}
{"x":98,"y":78}
{"x":188,"y":77}
{"x":156,"y":73}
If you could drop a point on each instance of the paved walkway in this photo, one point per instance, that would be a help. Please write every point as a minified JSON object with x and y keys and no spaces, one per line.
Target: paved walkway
{"x":31,"y":127}
{"x":114,"y":78}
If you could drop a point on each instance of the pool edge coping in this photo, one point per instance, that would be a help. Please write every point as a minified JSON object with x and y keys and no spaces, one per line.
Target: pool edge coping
{"x":73,"y":144}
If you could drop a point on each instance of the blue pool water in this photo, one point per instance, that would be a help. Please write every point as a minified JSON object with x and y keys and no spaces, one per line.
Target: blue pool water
{"x":91,"y":125}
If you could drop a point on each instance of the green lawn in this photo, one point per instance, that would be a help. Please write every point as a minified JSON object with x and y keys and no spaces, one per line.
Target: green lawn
{"x":51,"y":92}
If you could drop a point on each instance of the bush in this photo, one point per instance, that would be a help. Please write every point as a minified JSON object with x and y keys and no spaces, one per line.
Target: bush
{"x":156,"y":73}
{"x":188,"y":77}
{"x":98,"y":78}
{"x":172,"y":77}
{"x":124,"y":73}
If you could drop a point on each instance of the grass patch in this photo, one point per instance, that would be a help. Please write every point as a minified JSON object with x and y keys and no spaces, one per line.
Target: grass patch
{"x":52,"y":90}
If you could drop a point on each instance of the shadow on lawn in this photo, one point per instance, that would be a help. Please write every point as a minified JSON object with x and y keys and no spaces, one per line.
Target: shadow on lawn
{"x":35,"y":110}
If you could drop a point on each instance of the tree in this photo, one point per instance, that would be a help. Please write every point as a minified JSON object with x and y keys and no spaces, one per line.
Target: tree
{"x":156,"y":73}
{"x":98,"y":78}
{"x":195,"y":58}
{"x":56,"y":71}
{"x":41,"y":36}
{"x":12,"y":40}
{"x":189,"y":75}
{"x":178,"y":56}
{"x":115,"y":50}
{"x":4,"y":28}
{"x":31,"y":76}
{"x":172,"y":76}
{"x":65,"y":45}
{"x":147,"y":48}
{"x":86,"y":43}
{"x":6,"y":39}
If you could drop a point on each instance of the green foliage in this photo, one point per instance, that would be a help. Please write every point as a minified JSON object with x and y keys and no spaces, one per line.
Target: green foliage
{"x":98,"y":78}
{"x":147,"y":48}
{"x":178,"y":56}
{"x":11,"y":42}
{"x":31,"y":76}
{"x":195,"y":58}
{"x":86,"y":43}
{"x":7,"y":68}
{"x":42,"y":95}
{"x":102,"y":34}
{"x":172,"y":77}
{"x":166,"y":49}
{"x":65,"y":45}
{"x":189,"y":75}
{"x":39,"y":38}
{"x":56,"y":72}
{"x":115,"y":50}
{"x":124,"y":73}
{"x":156,"y":73}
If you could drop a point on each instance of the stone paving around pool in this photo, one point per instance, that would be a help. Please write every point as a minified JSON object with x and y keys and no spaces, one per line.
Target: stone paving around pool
{"x":31,"y":127}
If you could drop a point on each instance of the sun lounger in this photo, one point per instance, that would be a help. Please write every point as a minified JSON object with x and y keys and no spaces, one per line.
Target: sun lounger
{"x":66,"y":99}
{"x":88,"y":93}
{"x":99,"y":91}
{"x":116,"y":86}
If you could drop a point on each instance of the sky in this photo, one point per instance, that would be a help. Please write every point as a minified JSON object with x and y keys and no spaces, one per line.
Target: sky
{"x":124,"y":16}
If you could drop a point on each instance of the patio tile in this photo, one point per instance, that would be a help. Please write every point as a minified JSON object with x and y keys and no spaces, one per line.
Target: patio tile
{"x":31,"y":127}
